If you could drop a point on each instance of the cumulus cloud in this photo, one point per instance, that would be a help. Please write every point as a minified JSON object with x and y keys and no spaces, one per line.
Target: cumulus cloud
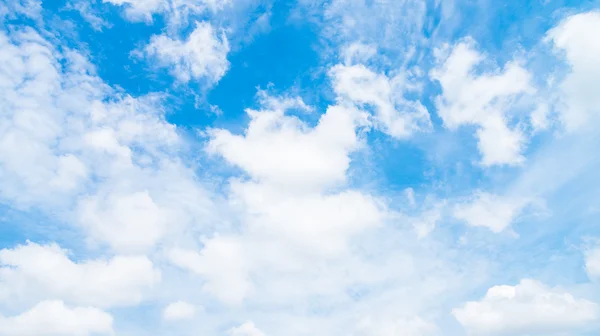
{"x":224,"y":264}
{"x":394,"y":115}
{"x":73,"y":146}
{"x":572,"y":38}
{"x":179,"y":310}
{"x":484,"y":100}
{"x":246,"y":329}
{"x":202,"y":56}
{"x":529,"y":308}
{"x":289,"y":212}
{"x":282,"y":150}
{"x":54,"y":318}
{"x":491,"y":211}
{"x":29,"y":272}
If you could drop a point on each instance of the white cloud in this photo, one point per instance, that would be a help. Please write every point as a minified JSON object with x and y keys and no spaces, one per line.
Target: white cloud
{"x":246,"y":329}
{"x":202,"y":56}
{"x":289,"y":215}
{"x":223,"y":263}
{"x":484,"y":100}
{"x":529,"y":308}
{"x":389,"y":326}
{"x":282,"y":150}
{"x":79,"y":150}
{"x":580,"y":99}
{"x":491,"y":211}
{"x":143,"y":10}
{"x":29,"y":8}
{"x":121,"y":219}
{"x":391,"y":25}
{"x":179,"y":310}
{"x":592,"y":262}
{"x":53,"y":318}
{"x":426,"y":222}
{"x":35,"y":271}
{"x":394,"y":115}
{"x":140,"y":9}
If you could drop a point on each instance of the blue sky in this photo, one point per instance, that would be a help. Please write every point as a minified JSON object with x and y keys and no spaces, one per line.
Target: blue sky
{"x":307,"y":167}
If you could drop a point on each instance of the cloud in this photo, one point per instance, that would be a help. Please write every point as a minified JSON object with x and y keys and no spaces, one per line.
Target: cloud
{"x":580,"y":102}
{"x":72,"y":147}
{"x":246,"y":329}
{"x":291,"y":211}
{"x":54,"y":318}
{"x":491,"y":211}
{"x":179,"y":310}
{"x":592,"y":262}
{"x":35,"y":271}
{"x":223,"y":263}
{"x":414,"y":326}
{"x":485,"y":100}
{"x":28,"y":8}
{"x":396,"y":26}
{"x":143,"y":10}
{"x":529,"y":308}
{"x":282,"y":150}
{"x":201,"y":57}
{"x":394,"y":115}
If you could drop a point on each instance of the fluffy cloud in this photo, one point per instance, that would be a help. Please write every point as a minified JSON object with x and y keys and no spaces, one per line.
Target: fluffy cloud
{"x":53,"y":318}
{"x":179,"y":310}
{"x":572,"y":38}
{"x":526,"y":309}
{"x":414,"y":326}
{"x":224,"y":264}
{"x":35,"y":271}
{"x":75,"y":147}
{"x":394,"y":115}
{"x":491,"y":211}
{"x":246,"y":329}
{"x":282,"y":150}
{"x":202,"y":56}
{"x":484,"y":100}
{"x":290,"y":216}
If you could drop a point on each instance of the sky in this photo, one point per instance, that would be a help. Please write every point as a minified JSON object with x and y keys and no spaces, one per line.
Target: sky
{"x":299,"y":167}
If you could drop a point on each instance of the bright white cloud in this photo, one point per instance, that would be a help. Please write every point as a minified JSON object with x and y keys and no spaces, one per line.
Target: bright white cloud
{"x":246,"y":329}
{"x":529,"y":308}
{"x":223,"y":262}
{"x":491,"y":211}
{"x":120,"y":219}
{"x":394,"y":115}
{"x":288,"y":216}
{"x":579,"y":97}
{"x":54,"y":318}
{"x":141,"y":9}
{"x":179,"y":310}
{"x":35,"y":271}
{"x":73,"y":146}
{"x":485,"y":100}
{"x":202,"y":56}
{"x":282,"y":150}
